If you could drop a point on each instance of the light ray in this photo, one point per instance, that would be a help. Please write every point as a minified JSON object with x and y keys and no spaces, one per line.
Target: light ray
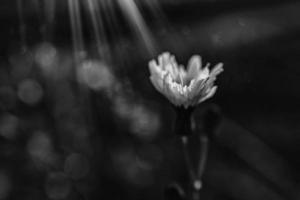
{"x":93,"y":8}
{"x":76,"y":26}
{"x":132,"y":12}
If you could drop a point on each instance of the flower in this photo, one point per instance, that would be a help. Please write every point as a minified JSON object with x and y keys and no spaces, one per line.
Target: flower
{"x":184,"y":87}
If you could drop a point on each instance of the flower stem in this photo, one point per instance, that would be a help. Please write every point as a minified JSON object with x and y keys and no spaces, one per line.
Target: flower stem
{"x":203,"y":155}
{"x":195,"y":179}
{"x":184,"y":140}
{"x":197,"y":183}
{"x":183,"y":121}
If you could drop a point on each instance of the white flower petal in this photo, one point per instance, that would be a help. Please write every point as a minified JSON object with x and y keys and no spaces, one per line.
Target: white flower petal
{"x":165,"y":59}
{"x":194,"y":66}
{"x":172,"y":92}
{"x":153,"y":67}
{"x":195,"y":87}
{"x":211,"y":93}
{"x":213,"y":75}
{"x":217,"y":69}
{"x":204,"y":73}
{"x":171,"y":70}
{"x":158,"y":83}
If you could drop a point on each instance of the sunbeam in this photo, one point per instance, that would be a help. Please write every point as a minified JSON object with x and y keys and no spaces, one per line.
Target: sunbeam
{"x":76,"y":26}
{"x":93,"y":8}
{"x":135,"y":18}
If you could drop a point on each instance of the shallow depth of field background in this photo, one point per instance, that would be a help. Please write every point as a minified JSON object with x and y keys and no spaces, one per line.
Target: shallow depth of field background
{"x":79,"y":118}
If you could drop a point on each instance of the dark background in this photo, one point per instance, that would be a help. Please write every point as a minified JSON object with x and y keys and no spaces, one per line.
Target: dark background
{"x":94,"y":127}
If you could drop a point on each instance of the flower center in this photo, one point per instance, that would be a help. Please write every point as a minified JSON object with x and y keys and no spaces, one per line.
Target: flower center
{"x":182,"y":80}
